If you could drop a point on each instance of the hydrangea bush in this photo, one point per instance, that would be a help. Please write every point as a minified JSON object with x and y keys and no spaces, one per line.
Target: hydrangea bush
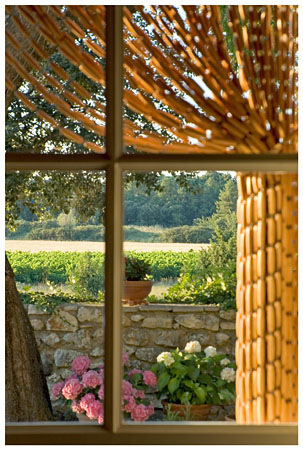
{"x":83,"y":390}
{"x":195,"y":376}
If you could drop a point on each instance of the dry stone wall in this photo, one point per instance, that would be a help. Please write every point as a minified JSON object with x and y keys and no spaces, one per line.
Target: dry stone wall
{"x":148,"y":330}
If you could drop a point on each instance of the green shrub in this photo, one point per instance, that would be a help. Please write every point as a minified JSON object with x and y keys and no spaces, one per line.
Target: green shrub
{"x":136,"y":235}
{"x":49,"y":302}
{"x":190,"y":291}
{"x":94,"y":233}
{"x":39,"y":267}
{"x":86,"y":277}
{"x":186,"y":233}
{"x":23,"y":227}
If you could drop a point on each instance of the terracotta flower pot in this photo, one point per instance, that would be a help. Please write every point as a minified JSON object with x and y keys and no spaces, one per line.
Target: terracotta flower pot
{"x":135,"y":292}
{"x":188,"y":412}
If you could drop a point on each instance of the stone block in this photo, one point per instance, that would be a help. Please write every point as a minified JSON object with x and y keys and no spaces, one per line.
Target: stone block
{"x":205,"y":339}
{"x":157,"y":322}
{"x":37,"y":324}
{"x":222,"y":339}
{"x":228,"y":315}
{"x":64,"y":358}
{"x":97,"y":351}
{"x":54,"y":378}
{"x":195,"y":308}
{"x":135,"y":336}
{"x":51,"y":339}
{"x":228,"y":325}
{"x":32,"y":309}
{"x":194,"y":321}
{"x":137,"y":317}
{"x":64,"y":373}
{"x":129,"y":350}
{"x":147,"y":354}
{"x":167,"y":338}
{"x":47,"y":363}
{"x":90,"y":314}
{"x":70,"y":307}
{"x":167,"y":308}
{"x":131,"y":309}
{"x":126,"y":322}
{"x":99,"y":334}
{"x":62,"y":321}
{"x":80,"y":339}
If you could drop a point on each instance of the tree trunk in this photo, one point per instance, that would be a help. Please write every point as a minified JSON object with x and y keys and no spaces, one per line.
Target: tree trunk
{"x":26,"y":393}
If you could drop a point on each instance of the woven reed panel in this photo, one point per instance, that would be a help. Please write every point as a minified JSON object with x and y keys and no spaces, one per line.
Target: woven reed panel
{"x":267,"y":301}
{"x":180,"y":75}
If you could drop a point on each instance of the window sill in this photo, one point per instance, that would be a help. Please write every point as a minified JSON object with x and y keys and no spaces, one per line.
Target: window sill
{"x":208,"y":433}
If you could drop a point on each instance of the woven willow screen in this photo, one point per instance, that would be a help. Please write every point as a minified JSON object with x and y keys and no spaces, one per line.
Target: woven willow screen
{"x":198,"y":79}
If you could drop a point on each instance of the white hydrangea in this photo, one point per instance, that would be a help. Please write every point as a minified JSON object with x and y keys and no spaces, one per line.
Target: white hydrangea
{"x":192,"y":347}
{"x":228,"y":374}
{"x":210,"y":351}
{"x":224,"y":361}
{"x":166,"y":358}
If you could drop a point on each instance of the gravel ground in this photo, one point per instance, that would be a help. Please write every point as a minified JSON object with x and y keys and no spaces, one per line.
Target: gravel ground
{"x":81,"y":246}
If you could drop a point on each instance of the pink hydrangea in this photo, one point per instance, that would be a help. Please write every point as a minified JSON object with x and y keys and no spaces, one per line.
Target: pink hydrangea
{"x":95,"y":409}
{"x":124,"y":358}
{"x":101,"y":392}
{"x":130,"y":405}
{"x":138,"y":393}
{"x":91,"y":379}
{"x":57,"y":389}
{"x":127,"y":388}
{"x":72,"y":389}
{"x":86,"y":400}
{"x":101,"y":370}
{"x":77,"y":408}
{"x":140,"y":413}
{"x":80,"y":364}
{"x":150,"y":409}
{"x":133,"y":371}
{"x":149,"y":378}
{"x":101,"y":420}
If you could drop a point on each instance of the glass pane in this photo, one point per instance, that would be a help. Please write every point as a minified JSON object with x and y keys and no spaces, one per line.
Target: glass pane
{"x":55,"y":79}
{"x":196,"y":83}
{"x":55,"y":246}
{"x":179,"y":293}
{"x":206,"y":341}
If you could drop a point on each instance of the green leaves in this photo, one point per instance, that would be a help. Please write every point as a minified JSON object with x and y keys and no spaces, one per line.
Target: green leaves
{"x":163,"y":380}
{"x":185,"y":398}
{"x":173,"y":385}
{"x":201,"y":393}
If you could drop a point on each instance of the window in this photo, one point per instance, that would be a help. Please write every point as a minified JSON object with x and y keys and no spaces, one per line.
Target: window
{"x":115,"y":163}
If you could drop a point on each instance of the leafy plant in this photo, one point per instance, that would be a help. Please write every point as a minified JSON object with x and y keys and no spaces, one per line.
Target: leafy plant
{"x":136,"y":269}
{"x":83,"y":391}
{"x":195,"y":377}
{"x":87,"y":276}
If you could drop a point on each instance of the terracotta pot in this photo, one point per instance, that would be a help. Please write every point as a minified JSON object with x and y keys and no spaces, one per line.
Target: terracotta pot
{"x":84,"y":418}
{"x":135,"y":292}
{"x":188,"y":412}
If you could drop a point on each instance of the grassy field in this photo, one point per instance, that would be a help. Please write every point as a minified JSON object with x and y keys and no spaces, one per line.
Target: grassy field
{"x":78,"y":246}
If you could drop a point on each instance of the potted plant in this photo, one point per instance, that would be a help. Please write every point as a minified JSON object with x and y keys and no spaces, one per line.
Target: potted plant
{"x":83,"y":391}
{"x":137,"y":284}
{"x":194,"y":379}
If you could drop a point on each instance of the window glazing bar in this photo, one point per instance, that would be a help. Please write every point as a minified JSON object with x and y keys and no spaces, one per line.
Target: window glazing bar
{"x":32,"y":161}
{"x":239,"y":162}
{"x":114,"y":222}
{"x":148,"y":162}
